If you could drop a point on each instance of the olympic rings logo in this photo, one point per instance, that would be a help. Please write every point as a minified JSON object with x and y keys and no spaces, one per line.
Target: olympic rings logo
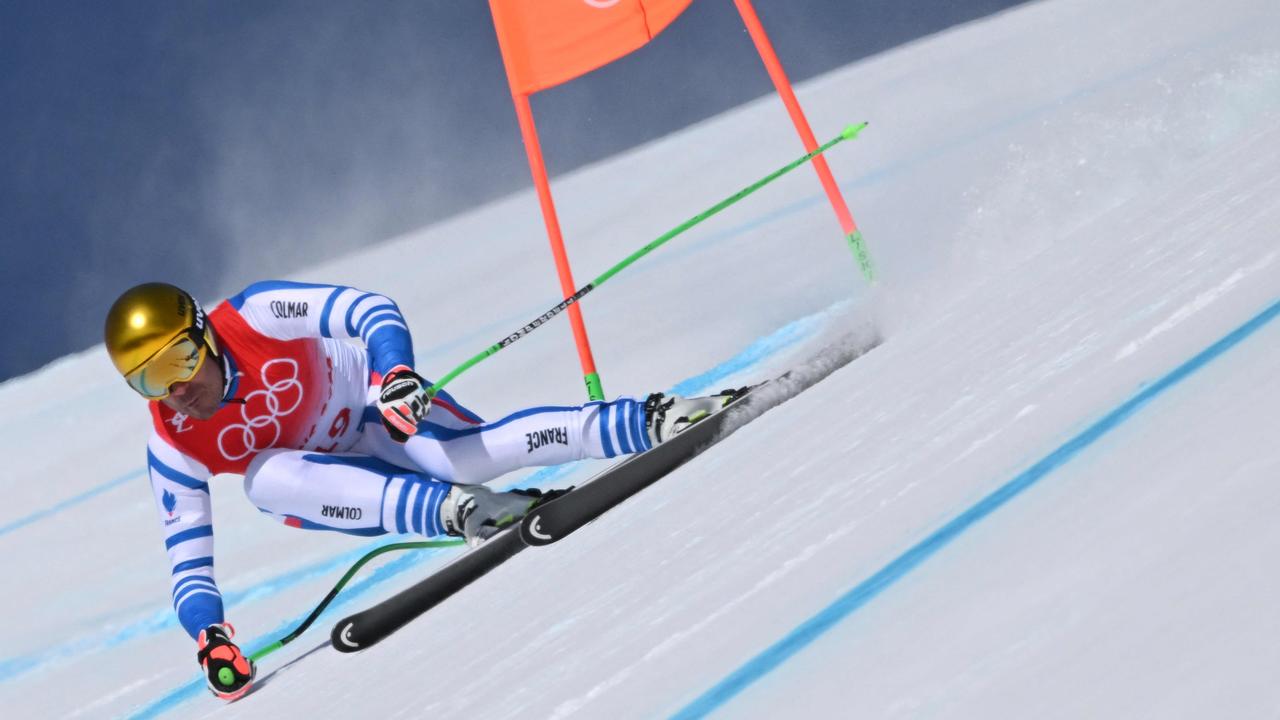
{"x":280,"y":395}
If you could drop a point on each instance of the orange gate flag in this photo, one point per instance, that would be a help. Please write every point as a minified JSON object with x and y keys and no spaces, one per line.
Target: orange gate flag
{"x":547,"y":42}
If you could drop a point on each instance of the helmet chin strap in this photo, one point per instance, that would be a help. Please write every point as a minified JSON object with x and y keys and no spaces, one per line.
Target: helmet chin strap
{"x":227,"y":377}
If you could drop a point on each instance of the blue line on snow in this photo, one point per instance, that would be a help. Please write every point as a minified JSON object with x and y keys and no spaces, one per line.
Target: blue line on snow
{"x":70,"y":502}
{"x":163,"y":618}
{"x":196,"y":687}
{"x":813,"y":628}
{"x":777,"y":341}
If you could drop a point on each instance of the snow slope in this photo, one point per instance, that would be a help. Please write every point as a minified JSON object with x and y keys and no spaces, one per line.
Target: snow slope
{"x":1047,"y":493}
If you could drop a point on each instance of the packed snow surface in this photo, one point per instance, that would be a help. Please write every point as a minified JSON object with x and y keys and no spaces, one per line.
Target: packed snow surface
{"x":1049,"y":492}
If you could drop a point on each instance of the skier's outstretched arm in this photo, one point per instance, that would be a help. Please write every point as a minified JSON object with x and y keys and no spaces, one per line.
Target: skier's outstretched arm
{"x":181,"y":488}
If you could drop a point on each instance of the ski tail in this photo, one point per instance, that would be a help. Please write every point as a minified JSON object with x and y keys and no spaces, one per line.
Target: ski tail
{"x":366,"y":628}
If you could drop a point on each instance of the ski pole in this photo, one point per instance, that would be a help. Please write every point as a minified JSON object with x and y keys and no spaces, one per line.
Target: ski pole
{"x":849,"y":133}
{"x":293,"y":634}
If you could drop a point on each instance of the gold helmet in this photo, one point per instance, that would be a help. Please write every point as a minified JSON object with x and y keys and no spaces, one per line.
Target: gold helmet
{"x":157,"y":335}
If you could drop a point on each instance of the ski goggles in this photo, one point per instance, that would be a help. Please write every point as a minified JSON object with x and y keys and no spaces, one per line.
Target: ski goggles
{"x":176,"y":362}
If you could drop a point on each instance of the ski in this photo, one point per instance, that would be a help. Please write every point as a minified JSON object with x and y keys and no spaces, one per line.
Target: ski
{"x":366,"y":628}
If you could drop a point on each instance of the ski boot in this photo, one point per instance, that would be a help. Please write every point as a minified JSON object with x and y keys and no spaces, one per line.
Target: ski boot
{"x":477,"y":513}
{"x":666,"y":416}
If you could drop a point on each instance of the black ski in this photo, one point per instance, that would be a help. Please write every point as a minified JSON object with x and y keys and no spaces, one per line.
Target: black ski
{"x":365,"y":628}
{"x":557,"y":518}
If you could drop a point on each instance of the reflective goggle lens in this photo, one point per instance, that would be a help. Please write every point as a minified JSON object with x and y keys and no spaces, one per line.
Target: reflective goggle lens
{"x":179,"y":361}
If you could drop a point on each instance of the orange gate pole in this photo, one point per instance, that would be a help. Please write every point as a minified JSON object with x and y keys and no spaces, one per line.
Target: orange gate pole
{"x":783,"y":85}
{"x":529,"y":132}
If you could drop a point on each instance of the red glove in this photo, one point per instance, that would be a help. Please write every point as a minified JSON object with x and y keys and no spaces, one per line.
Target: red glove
{"x":403,"y":402}
{"x":227,"y":671}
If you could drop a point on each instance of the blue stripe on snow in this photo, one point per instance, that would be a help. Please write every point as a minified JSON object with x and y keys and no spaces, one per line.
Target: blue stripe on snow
{"x":780,"y":339}
{"x":195,"y":688}
{"x":813,"y":628}
{"x":163,"y":618}
{"x":69,"y":502}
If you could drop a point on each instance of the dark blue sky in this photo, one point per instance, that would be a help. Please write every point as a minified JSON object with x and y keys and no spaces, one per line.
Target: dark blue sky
{"x":211,"y":143}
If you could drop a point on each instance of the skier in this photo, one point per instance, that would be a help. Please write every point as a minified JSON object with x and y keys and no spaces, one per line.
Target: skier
{"x":327,"y":434}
